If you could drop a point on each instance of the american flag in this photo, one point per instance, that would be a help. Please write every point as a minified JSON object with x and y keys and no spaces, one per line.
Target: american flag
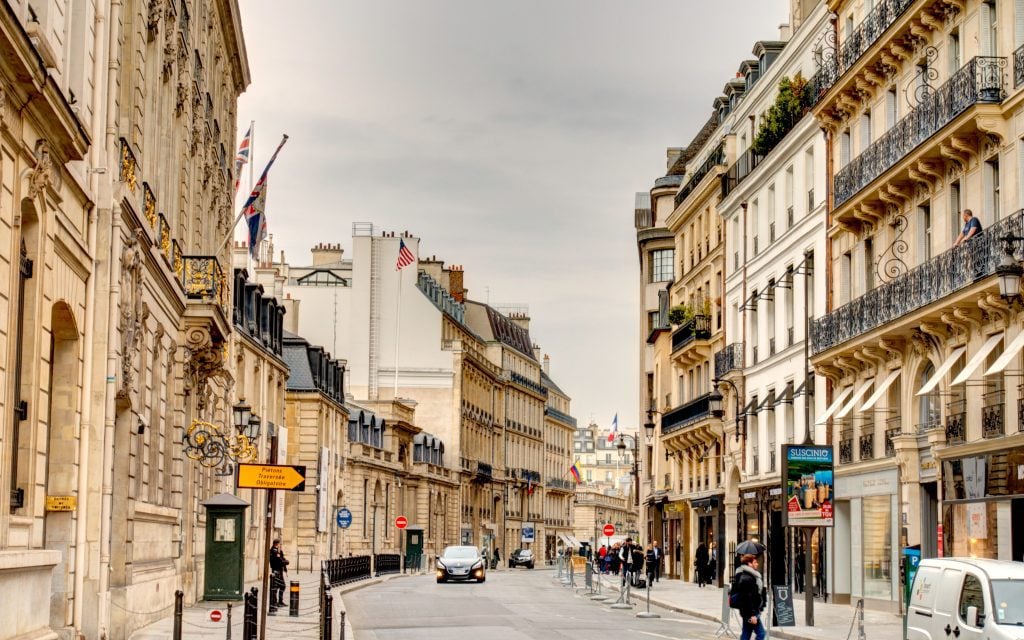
{"x":405,"y":257}
{"x":255,"y":205}
{"x":242,"y":157}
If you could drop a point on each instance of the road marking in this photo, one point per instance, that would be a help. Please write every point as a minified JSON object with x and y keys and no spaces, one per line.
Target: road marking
{"x":657,"y":635}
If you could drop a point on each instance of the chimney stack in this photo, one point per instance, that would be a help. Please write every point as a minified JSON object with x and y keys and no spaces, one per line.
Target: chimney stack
{"x":325,"y":254}
{"x":456,"y":285}
{"x":547,"y":365}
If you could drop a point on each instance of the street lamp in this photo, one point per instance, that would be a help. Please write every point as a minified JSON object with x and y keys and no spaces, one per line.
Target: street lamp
{"x":715,"y":405}
{"x":1009,"y":270}
{"x":622,"y":446}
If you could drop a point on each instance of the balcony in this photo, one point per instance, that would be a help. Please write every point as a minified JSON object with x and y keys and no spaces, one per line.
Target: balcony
{"x":561,"y":485}
{"x":867,"y":446}
{"x":523,"y":381}
{"x":846,"y":447}
{"x":893,"y":428}
{"x":696,"y":328}
{"x":559,"y":416}
{"x":992,"y":415}
{"x":980,"y":81}
{"x":729,"y":359}
{"x":956,"y":422}
{"x":686,"y":414}
{"x":867,"y":33}
{"x":740,"y":169}
{"x":715,"y":158}
{"x":1018,"y":67}
{"x":942,"y":276}
{"x":484,"y":472}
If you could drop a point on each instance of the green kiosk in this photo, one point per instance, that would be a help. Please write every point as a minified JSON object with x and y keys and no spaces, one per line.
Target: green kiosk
{"x":225,"y":547}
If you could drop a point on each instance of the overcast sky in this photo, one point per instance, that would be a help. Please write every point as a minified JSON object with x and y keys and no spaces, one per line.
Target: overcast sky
{"x":510,"y":136}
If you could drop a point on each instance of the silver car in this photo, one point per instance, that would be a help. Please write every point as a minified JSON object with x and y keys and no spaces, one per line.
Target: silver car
{"x":460,"y":563}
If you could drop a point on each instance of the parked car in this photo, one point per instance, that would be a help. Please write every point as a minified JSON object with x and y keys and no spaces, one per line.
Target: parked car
{"x":521,"y":558}
{"x":460,"y":563}
{"x":967,"y":597}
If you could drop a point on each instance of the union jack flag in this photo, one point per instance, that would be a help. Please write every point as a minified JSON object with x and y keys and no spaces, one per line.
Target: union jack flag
{"x":255,"y":206}
{"x":405,"y":257}
{"x":242,"y":157}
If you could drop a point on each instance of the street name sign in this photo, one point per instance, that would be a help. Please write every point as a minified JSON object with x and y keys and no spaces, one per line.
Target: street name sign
{"x":287,"y":477}
{"x":344,"y":518}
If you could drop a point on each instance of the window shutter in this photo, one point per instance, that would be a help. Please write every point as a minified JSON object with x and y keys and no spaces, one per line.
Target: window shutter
{"x":890,"y":107}
{"x":985,"y":27}
{"x":922,"y":237}
{"x":988,"y":187}
{"x":865,"y":132}
{"x":1018,"y":23}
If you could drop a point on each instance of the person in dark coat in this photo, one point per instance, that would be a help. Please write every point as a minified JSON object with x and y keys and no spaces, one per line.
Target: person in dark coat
{"x":651,"y":559}
{"x":278,"y":567}
{"x":747,"y":584}
{"x":701,"y":563}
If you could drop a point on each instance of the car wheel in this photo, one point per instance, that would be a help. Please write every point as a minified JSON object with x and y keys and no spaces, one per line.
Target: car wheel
{"x":529,"y":566}
{"x":440,"y":580}
{"x":482,"y":579}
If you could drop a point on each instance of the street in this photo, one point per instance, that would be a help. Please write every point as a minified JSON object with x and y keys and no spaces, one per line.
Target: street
{"x":512,"y":605}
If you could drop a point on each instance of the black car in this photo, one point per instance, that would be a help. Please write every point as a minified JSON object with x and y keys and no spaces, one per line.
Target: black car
{"x":521,"y":558}
{"x":460,"y":563}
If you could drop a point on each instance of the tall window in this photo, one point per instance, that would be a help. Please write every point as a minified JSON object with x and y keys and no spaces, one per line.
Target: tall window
{"x":925,"y":212}
{"x":789,"y":196}
{"x":890,"y":107}
{"x":809,"y":264}
{"x":991,"y":191}
{"x":954,"y":51}
{"x":954,"y":207}
{"x":869,"y":264}
{"x":844,"y":148}
{"x":845,"y":265}
{"x":989,"y":31}
{"x":865,"y":131}
{"x":662,"y":268}
{"x":809,"y":177}
{"x":790,"y":297}
{"x":771,"y":213}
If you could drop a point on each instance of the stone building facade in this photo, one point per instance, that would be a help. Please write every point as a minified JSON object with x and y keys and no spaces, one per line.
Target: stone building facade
{"x":559,"y":485}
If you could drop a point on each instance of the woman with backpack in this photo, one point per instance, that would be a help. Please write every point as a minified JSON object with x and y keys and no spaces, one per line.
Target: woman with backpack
{"x":745,"y":595}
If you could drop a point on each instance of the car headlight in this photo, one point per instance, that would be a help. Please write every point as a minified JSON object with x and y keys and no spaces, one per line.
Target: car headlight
{"x":440,"y":566}
{"x":479,"y":564}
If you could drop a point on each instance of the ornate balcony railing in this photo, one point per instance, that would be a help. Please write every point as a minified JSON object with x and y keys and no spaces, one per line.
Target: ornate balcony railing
{"x":771,"y":457}
{"x":523,"y":381}
{"x":979,"y":81}
{"x":696,"y":328}
{"x":893,"y":428}
{"x":484,"y":470}
{"x":558,"y":483}
{"x":715,"y":158}
{"x":203,"y":279}
{"x":867,"y":446}
{"x":868,"y":32}
{"x":992,"y":415}
{"x":564,"y":418}
{"x":686,"y":414}
{"x":956,"y":422}
{"x":941,"y":276}
{"x":846,"y":447}
{"x":1018,"y":67}
{"x":729,"y":359}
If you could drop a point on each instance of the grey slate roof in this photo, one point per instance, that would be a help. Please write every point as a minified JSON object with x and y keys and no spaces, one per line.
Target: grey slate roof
{"x":300,"y":376}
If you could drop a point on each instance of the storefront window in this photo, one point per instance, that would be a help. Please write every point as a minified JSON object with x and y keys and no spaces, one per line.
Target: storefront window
{"x":972,"y":530}
{"x":877,"y":532}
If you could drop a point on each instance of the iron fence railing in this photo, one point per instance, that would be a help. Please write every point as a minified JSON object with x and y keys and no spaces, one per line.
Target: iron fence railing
{"x":686,"y":414}
{"x":893,"y":428}
{"x":345,"y":570}
{"x":715,"y":158}
{"x":867,"y":446}
{"x":1018,"y":67}
{"x":729,"y":359}
{"x":993,"y":415}
{"x":384,"y":563}
{"x":979,"y":81}
{"x":696,"y":328}
{"x":943,"y":275}
{"x":956,"y":422}
{"x":845,"y":447}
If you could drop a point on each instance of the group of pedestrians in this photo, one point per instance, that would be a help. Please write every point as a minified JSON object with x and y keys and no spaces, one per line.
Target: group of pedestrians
{"x":706,"y":564}
{"x":631,"y":561}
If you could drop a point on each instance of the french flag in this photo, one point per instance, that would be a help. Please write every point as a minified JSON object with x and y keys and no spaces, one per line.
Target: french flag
{"x":615,"y":428}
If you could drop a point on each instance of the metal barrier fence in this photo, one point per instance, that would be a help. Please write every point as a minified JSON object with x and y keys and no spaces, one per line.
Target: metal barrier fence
{"x":250,"y":614}
{"x":345,"y":570}
{"x":384,"y":563}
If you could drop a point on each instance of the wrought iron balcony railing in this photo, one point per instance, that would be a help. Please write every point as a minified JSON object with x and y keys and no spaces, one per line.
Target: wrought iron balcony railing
{"x":203,"y":279}
{"x":740,"y":169}
{"x":484,"y":470}
{"x":1020,"y":414}
{"x":715,"y":158}
{"x":956,"y":422}
{"x":846,"y":447}
{"x":729,"y":359}
{"x":867,"y":446}
{"x":979,"y":81}
{"x":868,"y":32}
{"x":1018,"y":67}
{"x":890,"y":433}
{"x":992,"y":415}
{"x":771,"y":457}
{"x":941,"y":276}
{"x":686,"y":414}
{"x":560,"y":416}
{"x":696,"y":328}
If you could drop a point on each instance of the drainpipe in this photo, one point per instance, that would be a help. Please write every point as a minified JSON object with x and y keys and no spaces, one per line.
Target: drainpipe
{"x":743,"y":332}
{"x":96,"y":160}
{"x":110,"y":147}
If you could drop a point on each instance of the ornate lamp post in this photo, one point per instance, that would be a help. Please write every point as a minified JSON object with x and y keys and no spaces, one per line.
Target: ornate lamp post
{"x":210,"y":446}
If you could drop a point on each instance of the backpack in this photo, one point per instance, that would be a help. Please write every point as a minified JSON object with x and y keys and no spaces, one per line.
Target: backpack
{"x":734,"y":596}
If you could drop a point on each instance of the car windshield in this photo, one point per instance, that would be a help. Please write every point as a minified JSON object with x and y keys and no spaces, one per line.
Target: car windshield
{"x":459,"y":553}
{"x":1008,"y":598}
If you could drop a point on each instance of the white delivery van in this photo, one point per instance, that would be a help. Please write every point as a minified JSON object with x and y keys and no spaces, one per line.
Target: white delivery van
{"x":967,"y":599}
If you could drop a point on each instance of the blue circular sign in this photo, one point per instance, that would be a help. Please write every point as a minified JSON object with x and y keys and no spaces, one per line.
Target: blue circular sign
{"x":344,"y":518}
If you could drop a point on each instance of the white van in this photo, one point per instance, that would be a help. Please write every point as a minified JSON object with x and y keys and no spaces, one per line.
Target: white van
{"x":967,"y":599}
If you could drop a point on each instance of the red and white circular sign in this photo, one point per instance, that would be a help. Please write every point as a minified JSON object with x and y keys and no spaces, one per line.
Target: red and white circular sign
{"x":215,"y":615}
{"x":609,"y":530}
{"x":401,"y":522}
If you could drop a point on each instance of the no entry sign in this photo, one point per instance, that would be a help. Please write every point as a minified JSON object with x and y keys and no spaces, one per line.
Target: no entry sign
{"x":401,"y":522}
{"x":609,"y":530}
{"x":215,"y":615}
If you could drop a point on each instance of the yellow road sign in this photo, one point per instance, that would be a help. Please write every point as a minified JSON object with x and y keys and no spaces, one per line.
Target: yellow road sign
{"x":288,"y":477}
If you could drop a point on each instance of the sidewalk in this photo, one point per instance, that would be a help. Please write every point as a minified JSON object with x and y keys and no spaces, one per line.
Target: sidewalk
{"x":196,"y":623}
{"x":831,"y":621}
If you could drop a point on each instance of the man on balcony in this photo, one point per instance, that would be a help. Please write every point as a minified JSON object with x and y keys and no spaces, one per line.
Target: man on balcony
{"x":972,"y":227}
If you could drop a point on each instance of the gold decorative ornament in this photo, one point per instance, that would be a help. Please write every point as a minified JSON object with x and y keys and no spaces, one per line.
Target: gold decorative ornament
{"x":207,"y":444}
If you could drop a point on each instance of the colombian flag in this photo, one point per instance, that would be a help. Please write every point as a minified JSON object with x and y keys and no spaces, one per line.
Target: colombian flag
{"x":575,"y":471}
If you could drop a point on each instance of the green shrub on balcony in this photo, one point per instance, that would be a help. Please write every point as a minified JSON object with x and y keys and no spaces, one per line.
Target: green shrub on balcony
{"x":791,"y":104}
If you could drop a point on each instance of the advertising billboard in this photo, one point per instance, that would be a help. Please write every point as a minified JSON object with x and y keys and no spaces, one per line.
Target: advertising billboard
{"x":808,"y":485}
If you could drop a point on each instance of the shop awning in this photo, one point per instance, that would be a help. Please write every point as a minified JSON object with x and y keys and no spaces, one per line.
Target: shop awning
{"x":565,"y":540}
{"x":832,"y":408}
{"x":802,"y":389}
{"x":880,"y":391}
{"x":941,"y":371}
{"x":767,"y":403}
{"x":1008,"y":354}
{"x":787,"y":395}
{"x":977,"y":359}
{"x":855,"y":398}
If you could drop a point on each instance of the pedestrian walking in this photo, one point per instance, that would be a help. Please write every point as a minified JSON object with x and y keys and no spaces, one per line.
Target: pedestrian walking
{"x":651,"y":560}
{"x":497,"y":558}
{"x":712,"y":575}
{"x":626,"y":559}
{"x":278,"y":567}
{"x":747,"y":587}
{"x":701,"y":564}
{"x":657,"y":561}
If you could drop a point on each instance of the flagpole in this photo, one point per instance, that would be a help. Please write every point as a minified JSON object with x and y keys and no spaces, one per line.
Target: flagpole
{"x":398,"y":328}
{"x":231,"y":232}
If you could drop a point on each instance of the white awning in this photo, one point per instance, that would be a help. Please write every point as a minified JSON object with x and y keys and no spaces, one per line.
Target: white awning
{"x":941,"y":371}
{"x":835,"y":405}
{"x":880,"y":391}
{"x":1004,"y":360}
{"x":855,"y":398}
{"x":978,"y":358}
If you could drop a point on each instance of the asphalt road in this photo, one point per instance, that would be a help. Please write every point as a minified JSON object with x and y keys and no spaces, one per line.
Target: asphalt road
{"x":516,"y":604}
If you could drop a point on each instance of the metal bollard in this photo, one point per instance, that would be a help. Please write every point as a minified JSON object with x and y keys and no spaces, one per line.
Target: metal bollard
{"x":293,"y":599}
{"x":179,"y":596}
{"x":341,"y":623}
{"x":648,"y":614}
{"x":860,"y":620}
{"x":228,"y":636}
{"x":328,"y":619}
